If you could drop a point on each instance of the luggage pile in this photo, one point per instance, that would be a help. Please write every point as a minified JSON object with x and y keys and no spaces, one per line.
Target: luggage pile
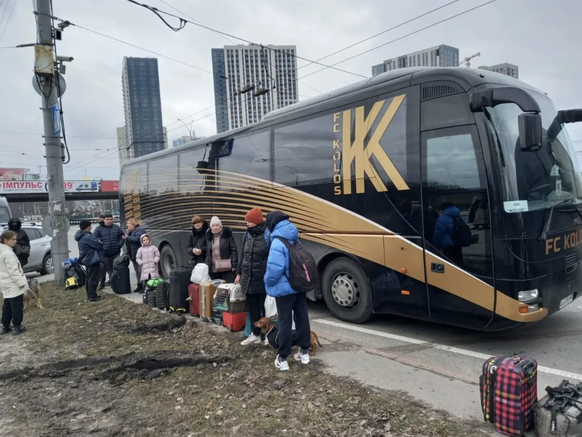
{"x":509,"y":400}
{"x":193,"y":292}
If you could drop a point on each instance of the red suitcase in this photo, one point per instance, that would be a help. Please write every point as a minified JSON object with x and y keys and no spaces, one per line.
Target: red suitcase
{"x":194,"y":299}
{"x":234,"y":321}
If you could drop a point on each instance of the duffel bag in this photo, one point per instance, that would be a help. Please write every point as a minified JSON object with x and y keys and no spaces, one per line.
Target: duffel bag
{"x":559,"y":413}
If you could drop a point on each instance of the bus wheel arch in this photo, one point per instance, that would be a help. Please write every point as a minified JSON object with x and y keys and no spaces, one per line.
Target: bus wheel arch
{"x":168,"y":260}
{"x":346,"y":289}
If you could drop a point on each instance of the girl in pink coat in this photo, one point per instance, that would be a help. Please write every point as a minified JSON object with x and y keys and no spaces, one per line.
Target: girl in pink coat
{"x":148,"y":257}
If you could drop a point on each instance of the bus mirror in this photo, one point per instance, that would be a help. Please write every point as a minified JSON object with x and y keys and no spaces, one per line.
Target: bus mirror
{"x":202,"y":167}
{"x":530,"y":132}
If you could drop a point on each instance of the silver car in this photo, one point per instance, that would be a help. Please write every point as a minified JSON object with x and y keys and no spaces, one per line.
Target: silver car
{"x":40,"y":259}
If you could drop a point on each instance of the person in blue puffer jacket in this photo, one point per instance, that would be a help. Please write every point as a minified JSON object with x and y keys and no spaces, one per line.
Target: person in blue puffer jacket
{"x":289,"y":302}
{"x":442,"y":237}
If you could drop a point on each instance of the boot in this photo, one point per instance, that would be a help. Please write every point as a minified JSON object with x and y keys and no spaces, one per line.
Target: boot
{"x":101,"y":286}
{"x":5,"y":329}
{"x":18,"y":330}
{"x":139,"y":288}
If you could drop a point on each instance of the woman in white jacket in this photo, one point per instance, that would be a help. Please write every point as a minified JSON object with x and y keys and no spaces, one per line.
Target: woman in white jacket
{"x":13,"y":284}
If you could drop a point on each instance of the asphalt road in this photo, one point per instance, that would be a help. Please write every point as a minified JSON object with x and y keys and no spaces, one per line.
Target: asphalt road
{"x":436,"y":363}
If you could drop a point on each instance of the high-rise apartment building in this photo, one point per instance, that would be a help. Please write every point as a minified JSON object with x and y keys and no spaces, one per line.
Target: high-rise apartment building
{"x":255,"y":80}
{"x":144,"y":132}
{"x":220,"y":92}
{"x":185,"y":139}
{"x":438,"y":56}
{"x":505,"y":68}
{"x":124,"y":151}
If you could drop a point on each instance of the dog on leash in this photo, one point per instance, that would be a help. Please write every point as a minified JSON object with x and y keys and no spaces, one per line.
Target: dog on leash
{"x":271,"y":331}
{"x":32,"y":292}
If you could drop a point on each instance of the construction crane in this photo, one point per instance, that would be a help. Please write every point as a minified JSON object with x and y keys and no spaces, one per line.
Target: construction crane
{"x":467,"y":60}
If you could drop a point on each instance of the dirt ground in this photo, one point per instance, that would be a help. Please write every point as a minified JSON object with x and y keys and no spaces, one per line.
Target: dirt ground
{"x":114,"y":368}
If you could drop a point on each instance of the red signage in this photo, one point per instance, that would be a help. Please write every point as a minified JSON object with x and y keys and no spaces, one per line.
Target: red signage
{"x":109,"y":186}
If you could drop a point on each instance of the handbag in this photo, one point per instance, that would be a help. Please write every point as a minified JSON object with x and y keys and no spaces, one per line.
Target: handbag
{"x":223,"y":265}
{"x":559,"y":413}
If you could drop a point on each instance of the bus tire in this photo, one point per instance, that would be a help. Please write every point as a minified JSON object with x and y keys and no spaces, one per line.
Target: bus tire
{"x":167,"y":261}
{"x":346,"y":291}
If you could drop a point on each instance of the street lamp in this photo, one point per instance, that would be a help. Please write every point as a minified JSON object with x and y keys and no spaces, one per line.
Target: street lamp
{"x":186,"y":126}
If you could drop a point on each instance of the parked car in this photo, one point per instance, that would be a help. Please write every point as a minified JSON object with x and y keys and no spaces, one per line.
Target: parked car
{"x":40,"y":259}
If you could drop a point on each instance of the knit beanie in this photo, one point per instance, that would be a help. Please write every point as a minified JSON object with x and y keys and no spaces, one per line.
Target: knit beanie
{"x":255,"y":216}
{"x":84,"y":224}
{"x":215,"y":221}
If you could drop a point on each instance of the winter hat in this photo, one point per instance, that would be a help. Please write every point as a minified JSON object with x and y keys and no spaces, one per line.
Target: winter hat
{"x":215,"y":221}
{"x":255,"y":216}
{"x":274,"y":218}
{"x":84,"y":224}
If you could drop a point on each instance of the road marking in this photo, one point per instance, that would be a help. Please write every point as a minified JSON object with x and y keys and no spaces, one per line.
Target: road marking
{"x":442,"y":347}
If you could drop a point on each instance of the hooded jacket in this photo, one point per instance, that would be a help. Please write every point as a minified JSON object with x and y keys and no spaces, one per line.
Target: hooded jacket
{"x":111,"y":236}
{"x":90,"y":248}
{"x":148,"y":258}
{"x":22,"y":248}
{"x":253,"y":259}
{"x":276,"y":281}
{"x":228,"y":248}
{"x":444,"y":228}
{"x":133,"y":241}
{"x":13,"y":283}
{"x":198,"y":240}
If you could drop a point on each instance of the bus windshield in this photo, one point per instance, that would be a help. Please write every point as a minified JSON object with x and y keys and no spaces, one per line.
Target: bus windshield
{"x":536,"y":181}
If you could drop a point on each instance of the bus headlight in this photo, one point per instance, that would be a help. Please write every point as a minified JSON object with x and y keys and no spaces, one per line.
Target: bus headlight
{"x":528,"y":295}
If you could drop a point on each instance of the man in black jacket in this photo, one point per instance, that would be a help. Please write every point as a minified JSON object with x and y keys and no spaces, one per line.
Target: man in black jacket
{"x":90,"y":255}
{"x":112,"y":237}
{"x":22,"y":248}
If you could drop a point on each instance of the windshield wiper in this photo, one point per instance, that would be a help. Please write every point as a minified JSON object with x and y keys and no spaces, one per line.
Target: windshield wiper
{"x":544,"y":234}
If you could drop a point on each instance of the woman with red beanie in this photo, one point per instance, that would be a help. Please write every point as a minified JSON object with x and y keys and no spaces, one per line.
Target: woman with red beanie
{"x":251,"y":269}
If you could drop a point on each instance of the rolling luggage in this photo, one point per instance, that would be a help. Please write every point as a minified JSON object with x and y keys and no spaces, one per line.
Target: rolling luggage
{"x":207,"y":292}
{"x":178,"y":290}
{"x":559,"y":413}
{"x":149,"y":292}
{"x":161,"y":295}
{"x":194,"y":300}
{"x":508,"y":387}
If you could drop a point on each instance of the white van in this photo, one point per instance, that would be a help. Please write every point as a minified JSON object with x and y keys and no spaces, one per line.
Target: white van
{"x":5,"y":213}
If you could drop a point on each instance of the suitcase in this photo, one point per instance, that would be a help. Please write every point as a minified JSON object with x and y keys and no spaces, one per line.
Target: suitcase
{"x":508,"y":387}
{"x":161,"y":295}
{"x":234,"y":321}
{"x":207,"y":292}
{"x":179,"y":282}
{"x":236,"y":298}
{"x":559,"y":413}
{"x":120,"y":281}
{"x":151,"y":297}
{"x":194,"y":300}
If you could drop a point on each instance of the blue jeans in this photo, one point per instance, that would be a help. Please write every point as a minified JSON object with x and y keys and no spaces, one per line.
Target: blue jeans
{"x":249,"y":328}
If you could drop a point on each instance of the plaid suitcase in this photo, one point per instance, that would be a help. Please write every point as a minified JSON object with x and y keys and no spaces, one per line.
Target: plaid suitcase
{"x":509,"y":391}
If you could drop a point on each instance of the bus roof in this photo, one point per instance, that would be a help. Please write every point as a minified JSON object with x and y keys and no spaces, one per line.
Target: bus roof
{"x":467,"y":78}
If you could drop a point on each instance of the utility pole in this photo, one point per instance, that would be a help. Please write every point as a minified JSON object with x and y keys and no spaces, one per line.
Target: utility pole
{"x":46,"y":78}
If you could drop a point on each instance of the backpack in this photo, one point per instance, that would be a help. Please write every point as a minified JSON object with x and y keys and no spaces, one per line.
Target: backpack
{"x":461,"y":235}
{"x":71,"y":283}
{"x":303,"y":275}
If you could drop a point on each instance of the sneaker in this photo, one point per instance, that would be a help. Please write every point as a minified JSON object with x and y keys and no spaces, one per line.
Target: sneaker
{"x":266,"y":342}
{"x":283,"y":366}
{"x":301,"y":356}
{"x":251,"y":339}
{"x":18,"y":330}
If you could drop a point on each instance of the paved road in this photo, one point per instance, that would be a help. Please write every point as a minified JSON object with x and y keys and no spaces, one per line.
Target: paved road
{"x":441,"y":364}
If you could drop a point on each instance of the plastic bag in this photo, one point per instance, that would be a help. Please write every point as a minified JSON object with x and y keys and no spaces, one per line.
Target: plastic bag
{"x":200,"y":274}
{"x":270,"y":307}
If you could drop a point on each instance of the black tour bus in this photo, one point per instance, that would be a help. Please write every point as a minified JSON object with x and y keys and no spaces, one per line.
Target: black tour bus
{"x":377,"y":176}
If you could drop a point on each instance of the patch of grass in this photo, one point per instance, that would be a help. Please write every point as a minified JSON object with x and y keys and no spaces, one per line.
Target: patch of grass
{"x":243,"y":396}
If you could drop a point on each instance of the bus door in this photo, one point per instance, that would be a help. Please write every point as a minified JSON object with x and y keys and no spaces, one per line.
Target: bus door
{"x":458,"y":262}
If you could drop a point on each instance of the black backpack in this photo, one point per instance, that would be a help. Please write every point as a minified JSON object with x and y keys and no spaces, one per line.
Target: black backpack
{"x":461,"y":235}
{"x":303,"y":275}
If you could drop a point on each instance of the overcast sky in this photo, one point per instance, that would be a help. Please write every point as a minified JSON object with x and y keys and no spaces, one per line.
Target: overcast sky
{"x":538,"y":35}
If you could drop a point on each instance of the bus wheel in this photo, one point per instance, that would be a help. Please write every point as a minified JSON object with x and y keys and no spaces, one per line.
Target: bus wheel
{"x":346,"y":291}
{"x":167,"y":261}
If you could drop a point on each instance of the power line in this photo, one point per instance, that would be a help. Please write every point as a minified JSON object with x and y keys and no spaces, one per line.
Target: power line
{"x":184,"y":21}
{"x":72,"y":136}
{"x":404,"y":36}
{"x":8,"y":19}
{"x":381,"y":33}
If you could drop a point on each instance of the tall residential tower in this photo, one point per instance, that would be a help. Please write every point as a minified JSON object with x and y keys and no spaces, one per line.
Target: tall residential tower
{"x":268,"y":74}
{"x":144,"y":131}
{"x":438,"y":56}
